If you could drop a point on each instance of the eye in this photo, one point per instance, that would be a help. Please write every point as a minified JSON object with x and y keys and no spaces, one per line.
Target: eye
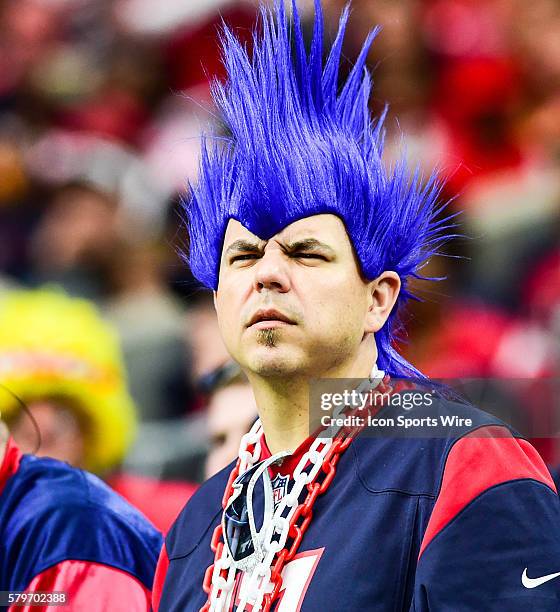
{"x":244,"y":257}
{"x":299,"y":255}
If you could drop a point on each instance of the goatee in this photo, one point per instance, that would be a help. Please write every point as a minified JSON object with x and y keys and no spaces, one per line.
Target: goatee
{"x":267,"y":337}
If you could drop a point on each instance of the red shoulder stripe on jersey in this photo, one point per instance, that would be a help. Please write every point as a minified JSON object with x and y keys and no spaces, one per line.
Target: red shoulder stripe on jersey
{"x":89,"y":586}
{"x":10,"y":464}
{"x":159,"y":579}
{"x":482,"y":459}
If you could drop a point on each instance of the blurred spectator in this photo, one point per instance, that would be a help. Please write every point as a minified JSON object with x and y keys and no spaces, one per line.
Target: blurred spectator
{"x":507,"y":362}
{"x":209,"y":351}
{"x":28,"y":30}
{"x":401,"y":74}
{"x":231,"y":412}
{"x":488,"y":343}
{"x":150,"y":322}
{"x":63,"y":361}
{"x":542,"y":297}
{"x":74,"y":240}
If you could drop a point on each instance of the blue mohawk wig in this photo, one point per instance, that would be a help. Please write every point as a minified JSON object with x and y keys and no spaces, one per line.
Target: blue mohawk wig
{"x":299,"y":145}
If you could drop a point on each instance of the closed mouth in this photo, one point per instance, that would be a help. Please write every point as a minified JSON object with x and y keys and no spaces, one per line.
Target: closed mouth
{"x":271,"y":315}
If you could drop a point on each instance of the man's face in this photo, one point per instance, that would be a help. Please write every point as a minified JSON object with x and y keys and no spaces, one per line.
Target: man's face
{"x":294,"y":303}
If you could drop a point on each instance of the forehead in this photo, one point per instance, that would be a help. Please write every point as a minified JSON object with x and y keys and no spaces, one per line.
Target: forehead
{"x":326,"y":228}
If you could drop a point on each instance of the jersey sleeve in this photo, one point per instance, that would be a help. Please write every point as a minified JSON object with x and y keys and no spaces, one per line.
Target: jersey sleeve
{"x":89,"y":586}
{"x":493,"y":539}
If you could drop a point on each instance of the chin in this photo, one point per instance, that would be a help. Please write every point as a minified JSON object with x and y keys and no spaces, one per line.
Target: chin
{"x":274,"y":362}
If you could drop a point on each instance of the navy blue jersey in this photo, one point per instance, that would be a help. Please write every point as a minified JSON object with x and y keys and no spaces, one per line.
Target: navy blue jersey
{"x":555,"y":473}
{"x":65,"y":527}
{"x":468,"y":521}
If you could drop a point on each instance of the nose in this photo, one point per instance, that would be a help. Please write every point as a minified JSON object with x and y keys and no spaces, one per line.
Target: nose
{"x":271,"y":273}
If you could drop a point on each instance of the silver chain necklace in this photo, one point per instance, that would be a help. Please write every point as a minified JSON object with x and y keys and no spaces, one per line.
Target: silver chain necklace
{"x":274,"y":532}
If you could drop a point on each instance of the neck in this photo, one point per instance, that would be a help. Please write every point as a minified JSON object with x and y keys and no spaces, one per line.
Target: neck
{"x":283,"y":402}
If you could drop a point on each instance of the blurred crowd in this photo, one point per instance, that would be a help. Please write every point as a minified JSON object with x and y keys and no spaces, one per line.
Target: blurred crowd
{"x":102,"y":103}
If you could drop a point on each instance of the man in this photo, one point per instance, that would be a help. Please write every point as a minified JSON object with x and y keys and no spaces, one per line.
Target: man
{"x":309,"y":242}
{"x":62,"y":530}
{"x":231,"y":411}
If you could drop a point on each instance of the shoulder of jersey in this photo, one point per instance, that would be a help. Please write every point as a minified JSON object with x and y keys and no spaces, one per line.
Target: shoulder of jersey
{"x":410,"y":462}
{"x":56,"y":513}
{"x":53,"y":484}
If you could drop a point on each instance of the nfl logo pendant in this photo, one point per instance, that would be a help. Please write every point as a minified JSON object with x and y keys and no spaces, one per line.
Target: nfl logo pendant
{"x":244,"y":541}
{"x":279,"y":488}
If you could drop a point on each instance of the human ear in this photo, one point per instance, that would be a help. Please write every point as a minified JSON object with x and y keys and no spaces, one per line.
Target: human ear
{"x":383,"y":294}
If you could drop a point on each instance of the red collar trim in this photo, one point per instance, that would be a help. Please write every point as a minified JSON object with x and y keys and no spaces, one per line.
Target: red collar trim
{"x":10,"y":465}
{"x":289,"y":464}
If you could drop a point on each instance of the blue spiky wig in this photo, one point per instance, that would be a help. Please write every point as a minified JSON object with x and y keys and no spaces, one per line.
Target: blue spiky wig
{"x":300,"y":145}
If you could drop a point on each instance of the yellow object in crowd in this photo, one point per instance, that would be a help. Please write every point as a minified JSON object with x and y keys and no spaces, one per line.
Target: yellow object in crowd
{"x":55,"y":346}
